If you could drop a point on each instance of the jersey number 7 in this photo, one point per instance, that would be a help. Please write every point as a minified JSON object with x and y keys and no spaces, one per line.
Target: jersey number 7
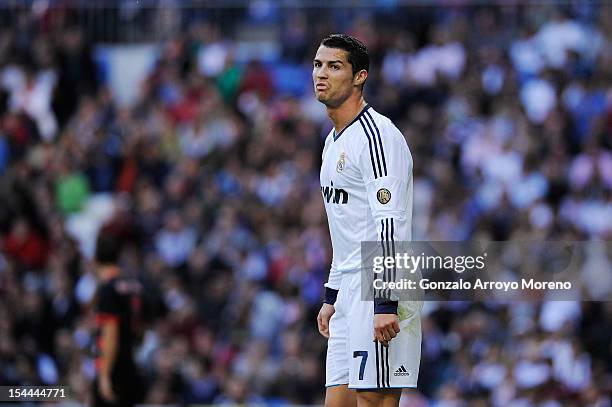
{"x":364,"y":355}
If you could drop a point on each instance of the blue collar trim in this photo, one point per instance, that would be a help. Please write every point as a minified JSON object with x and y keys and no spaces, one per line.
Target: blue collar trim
{"x":337,"y":136}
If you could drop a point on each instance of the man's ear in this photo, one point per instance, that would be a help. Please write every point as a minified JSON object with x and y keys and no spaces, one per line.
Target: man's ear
{"x":360,"y":77}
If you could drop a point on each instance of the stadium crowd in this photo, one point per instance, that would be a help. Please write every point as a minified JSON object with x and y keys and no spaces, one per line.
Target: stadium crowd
{"x":211,"y":182}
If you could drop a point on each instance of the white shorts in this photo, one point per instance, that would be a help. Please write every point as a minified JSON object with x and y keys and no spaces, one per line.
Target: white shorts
{"x":352,"y":356}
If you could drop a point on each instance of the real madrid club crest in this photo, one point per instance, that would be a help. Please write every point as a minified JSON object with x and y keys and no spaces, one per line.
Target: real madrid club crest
{"x":383,"y":195}
{"x":341,"y":162}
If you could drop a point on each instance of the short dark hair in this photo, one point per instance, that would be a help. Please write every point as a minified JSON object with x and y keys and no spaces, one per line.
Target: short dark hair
{"x":108,"y":249}
{"x":357,"y":52}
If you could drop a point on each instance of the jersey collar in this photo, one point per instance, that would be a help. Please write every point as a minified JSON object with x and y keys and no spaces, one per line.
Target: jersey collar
{"x":337,"y":136}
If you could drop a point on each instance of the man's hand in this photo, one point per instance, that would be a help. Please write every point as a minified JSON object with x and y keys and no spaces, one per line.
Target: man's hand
{"x":326,"y":312}
{"x":106,"y":389}
{"x":386,"y":327}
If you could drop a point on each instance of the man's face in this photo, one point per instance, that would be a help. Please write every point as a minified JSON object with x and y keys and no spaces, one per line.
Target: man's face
{"x":332,"y":76}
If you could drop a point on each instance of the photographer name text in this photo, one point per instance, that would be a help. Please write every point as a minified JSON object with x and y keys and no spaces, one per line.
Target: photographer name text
{"x":478,"y":284}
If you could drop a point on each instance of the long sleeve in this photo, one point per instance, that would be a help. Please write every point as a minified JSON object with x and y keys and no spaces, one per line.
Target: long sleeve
{"x":386,"y":165}
{"x":333,"y":285}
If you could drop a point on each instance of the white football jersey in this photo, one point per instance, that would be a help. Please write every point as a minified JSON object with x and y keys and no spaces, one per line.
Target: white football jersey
{"x":366,"y":183}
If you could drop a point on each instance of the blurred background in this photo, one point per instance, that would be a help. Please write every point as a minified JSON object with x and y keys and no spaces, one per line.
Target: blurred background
{"x":189,"y":130}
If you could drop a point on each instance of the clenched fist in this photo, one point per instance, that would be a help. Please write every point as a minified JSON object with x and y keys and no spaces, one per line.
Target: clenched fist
{"x":386,"y":327}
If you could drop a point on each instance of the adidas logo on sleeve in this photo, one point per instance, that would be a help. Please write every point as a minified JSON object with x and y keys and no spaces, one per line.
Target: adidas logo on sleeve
{"x":401,"y":371}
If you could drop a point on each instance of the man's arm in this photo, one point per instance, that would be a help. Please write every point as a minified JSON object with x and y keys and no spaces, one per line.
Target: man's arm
{"x":332,"y":287}
{"x":386,"y":321}
{"x":386,"y":166}
{"x":108,"y":346}
{"x":109,"y":338}
{"x":107,"y":320}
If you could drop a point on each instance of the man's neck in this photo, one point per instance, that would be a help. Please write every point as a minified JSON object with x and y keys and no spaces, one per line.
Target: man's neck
{"x":107,"y":273}
{"x":342,"y":115}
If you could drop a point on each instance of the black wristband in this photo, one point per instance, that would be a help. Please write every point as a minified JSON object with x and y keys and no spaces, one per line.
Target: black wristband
{"x":383,"y":306}
{"x":330,"y":296}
